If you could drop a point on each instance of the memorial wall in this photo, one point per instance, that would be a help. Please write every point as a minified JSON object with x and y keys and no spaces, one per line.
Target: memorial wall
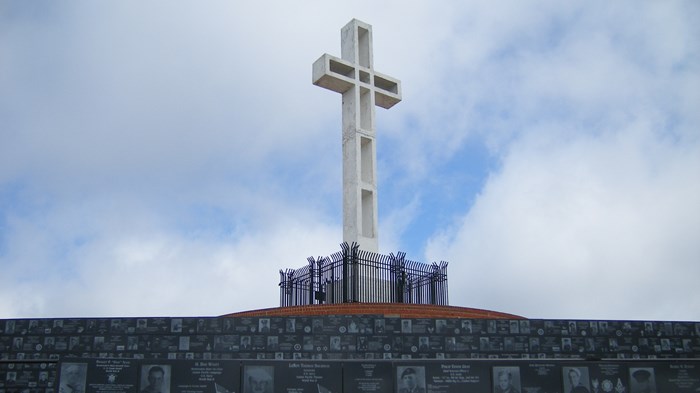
{"x":351,"y":353}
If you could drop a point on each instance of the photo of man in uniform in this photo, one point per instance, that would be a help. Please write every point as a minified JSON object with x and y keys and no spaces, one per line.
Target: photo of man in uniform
{"x":440,"y":326}
{"x":290,"y":325}
{"x":245,"y":343}
{"x":576,"y":380}
{"x":379,"y":326}
{"x":423,"y":343}
{"x":642,"y":380}
{"x":450,"y":344}
{"x":411,"y":379}
{"x":506,"y":380}
{"x":264,"y":325}
{"x":258,"y":379}
{"x":524,"y":327}
{"x":514,"y":327}
{"x":73,"y":377}
{"x":74,"y":343}
{"x":335,"y":343}
{"x":17,"y":343}
{"x":43,"y":378}
{"x":155,"y":379}
{"x":272,"y":343}
{"x":466,"y":326}
{"x":49,"y":343}
{"x":648,"y":329}
{"x":141,"y":325}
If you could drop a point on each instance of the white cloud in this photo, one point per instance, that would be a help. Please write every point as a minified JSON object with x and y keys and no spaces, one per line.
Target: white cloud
{"x":589,"y":227}
{"x":137,"y":266}
{"x":592,"y":212}
{"x":164,"y":152}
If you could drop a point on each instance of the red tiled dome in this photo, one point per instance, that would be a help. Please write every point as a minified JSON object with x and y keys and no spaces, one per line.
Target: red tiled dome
{"x":400,"y":310}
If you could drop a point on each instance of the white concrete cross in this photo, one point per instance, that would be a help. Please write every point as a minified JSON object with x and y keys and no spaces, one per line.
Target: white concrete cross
{"x":362,"y":88}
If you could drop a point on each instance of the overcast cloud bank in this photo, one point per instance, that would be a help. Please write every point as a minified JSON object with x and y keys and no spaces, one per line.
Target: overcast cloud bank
{"x":153,"y":159}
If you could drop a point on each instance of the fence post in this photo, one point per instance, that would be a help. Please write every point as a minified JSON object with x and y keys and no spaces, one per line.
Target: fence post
{"x":311,"y":279}
{"x":321,"y":293}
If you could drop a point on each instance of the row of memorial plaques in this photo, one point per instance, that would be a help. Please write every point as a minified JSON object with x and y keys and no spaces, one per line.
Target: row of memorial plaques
{"x":334,"y":337}
{"x":340,"y":343}
{"x":120,"y":375}
{"x":35,"y":347}
{"x":348,"y":324}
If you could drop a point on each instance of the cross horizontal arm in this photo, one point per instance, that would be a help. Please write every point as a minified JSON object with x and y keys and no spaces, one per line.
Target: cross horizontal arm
{"x":340,"y":75}
{"x":387,"y":90}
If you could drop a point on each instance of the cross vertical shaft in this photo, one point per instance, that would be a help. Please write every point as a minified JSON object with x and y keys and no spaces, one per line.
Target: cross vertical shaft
{"x":362,"y":88}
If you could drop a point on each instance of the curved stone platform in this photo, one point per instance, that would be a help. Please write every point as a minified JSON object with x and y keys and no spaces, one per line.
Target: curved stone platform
{"x":400,"y":310}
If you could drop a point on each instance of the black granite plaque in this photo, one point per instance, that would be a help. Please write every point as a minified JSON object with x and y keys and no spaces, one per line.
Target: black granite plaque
{"x":367,"y":377}
{"x":108,"y":375}
{"x":457,"y":377}
{"x":309,"y":377}
{"x":542,"y":377}
{"x":204,"y":377}
{"x":678,"y":377}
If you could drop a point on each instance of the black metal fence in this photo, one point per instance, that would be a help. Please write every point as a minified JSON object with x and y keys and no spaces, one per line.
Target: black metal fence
{"x":353,"y":275}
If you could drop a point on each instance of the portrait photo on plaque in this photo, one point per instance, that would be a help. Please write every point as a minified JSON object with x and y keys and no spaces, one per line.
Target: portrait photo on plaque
{"x":43,"y":378}
{"x":72,"y":378}
{"x":245,"y":343}
{"x":379,"y":326}
{"x":258,"y":379}
{"x":576,"y":380}
{"x":155,"y":378}
{"x":642,"y":380}
{"x":450,"y":343}
{"x":423,"y":343}
{"x":176,"y":325}
{"x":17,"y":343}
{"x":141,"y":325}
{"x":513,"y":327}
{"x":272,"y":343}
{"x":466,"y":326}
{"x":506,"y":379}
{"x":264,"y":325}
{"x":410,"y":379}
{"x":440,"y":326}
{"x":524,"y":327}
{"x":335,"y":343}
{"x":11,"y":378}
{"x":290,"y":325}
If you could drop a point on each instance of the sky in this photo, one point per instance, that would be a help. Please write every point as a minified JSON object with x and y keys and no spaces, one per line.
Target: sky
{"x":169,"y":158}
